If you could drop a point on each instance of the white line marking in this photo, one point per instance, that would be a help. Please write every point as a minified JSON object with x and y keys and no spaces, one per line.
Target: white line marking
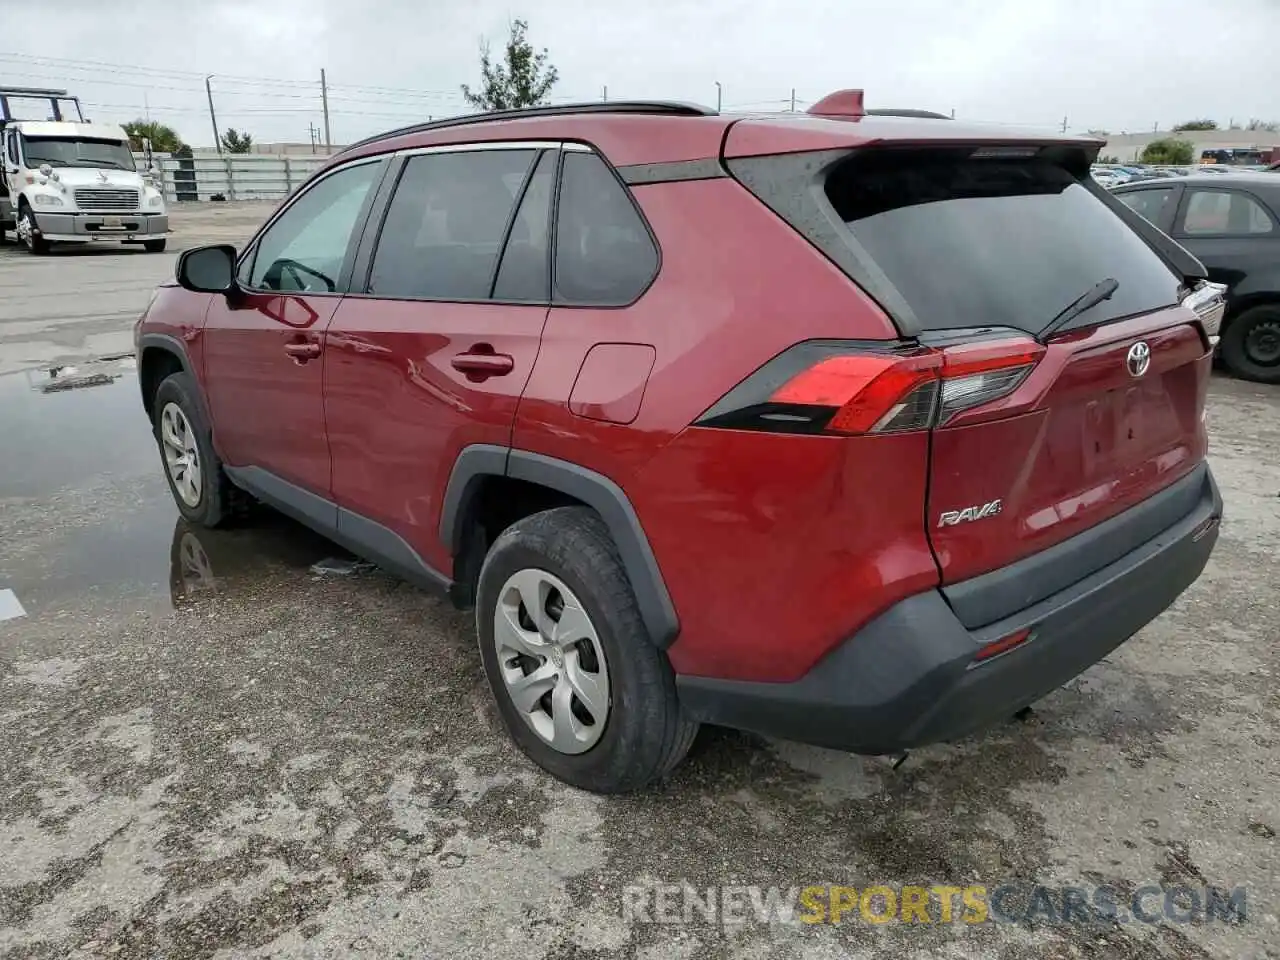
{"x":10,"y":608}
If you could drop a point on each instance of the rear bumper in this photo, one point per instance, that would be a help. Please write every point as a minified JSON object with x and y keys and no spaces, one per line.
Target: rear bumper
{"x":909,"y":677}
{"x":92,"y":226}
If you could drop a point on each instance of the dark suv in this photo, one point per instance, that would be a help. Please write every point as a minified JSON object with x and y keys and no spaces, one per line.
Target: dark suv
{"x":865,"y":431}
{"x":1231,"y":222}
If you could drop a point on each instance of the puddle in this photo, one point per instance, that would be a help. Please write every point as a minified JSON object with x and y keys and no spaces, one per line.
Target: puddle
{"x":54,"y":440}
{"x":210,"y":563}
{"x":86,"y":515}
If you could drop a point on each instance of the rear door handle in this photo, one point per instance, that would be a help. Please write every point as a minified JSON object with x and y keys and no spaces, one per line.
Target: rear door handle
{"x":483,"y":364}
{"x":302,"y":352}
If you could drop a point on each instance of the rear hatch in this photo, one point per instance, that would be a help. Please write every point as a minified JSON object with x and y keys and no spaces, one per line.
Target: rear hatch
{"x":1072,"y":377}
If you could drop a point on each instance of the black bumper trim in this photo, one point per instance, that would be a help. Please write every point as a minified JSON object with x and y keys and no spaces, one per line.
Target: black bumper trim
{"x":908,"y":678}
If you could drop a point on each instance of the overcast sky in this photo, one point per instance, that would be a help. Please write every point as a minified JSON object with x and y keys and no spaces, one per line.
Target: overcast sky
{"x":1120,"y":66}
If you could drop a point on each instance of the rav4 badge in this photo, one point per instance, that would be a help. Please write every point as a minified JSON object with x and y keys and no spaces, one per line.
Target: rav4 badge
{"x":950,"y":518}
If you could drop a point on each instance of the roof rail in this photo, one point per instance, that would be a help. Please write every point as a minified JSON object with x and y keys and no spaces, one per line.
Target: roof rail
{"x":669,"y":108}
{"x":907,"y":112}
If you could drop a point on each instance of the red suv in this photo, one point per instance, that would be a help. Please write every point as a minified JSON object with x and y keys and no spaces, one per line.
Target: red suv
{"x":860,"y":430}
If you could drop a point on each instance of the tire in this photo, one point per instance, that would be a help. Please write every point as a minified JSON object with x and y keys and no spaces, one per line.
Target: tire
{"x":215,"y":500}
{"x":643,"y":734}
{"x":1251,"y":344}
{"x":37,"y":244}
{"x":153,"y":246}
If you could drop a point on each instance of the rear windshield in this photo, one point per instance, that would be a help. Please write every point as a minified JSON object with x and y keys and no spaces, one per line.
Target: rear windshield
{"x":975,"y":242}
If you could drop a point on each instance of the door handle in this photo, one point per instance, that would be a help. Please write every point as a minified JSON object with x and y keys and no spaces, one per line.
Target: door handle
{"x":302,"y":352}
{"x":483,"y":364}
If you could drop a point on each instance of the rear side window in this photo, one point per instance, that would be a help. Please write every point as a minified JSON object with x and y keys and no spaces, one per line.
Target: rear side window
{"x":1212,"y":212}
{"x":975,"y":242}
{"x":604,"y":254}
{"x":445,"y":224}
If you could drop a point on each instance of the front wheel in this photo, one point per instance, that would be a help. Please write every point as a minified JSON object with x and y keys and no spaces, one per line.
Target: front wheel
{"x":1251,"y":344}
{"x":153,"y":246}
{"x":579,"y":685}
{"x":200,"y":488}
{"x":29,"y":233}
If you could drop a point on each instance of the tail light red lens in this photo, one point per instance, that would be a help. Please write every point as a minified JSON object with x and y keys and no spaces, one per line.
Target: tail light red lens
{"x":856,"y":388}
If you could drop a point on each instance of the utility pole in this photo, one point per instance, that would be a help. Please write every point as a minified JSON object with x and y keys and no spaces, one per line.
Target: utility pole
{"x":213,"y":117}
{"x":604,"y":95}
{"x":324,"y":97}
{"x":313,"y":133}
{"x":793,"y":99}
{"x":953,"y":113}
{"x":146,"y":106}
{"x":719,"y":91}
{"x":1064,"y":124}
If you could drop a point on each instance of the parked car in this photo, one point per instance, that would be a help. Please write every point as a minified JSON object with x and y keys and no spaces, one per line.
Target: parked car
{"x":1232,"y":223}
{"x":1109,"y":178}
{"x":701,"y":443}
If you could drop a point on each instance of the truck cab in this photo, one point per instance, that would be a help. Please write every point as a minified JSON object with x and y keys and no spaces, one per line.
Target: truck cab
{"x":67,"y":180}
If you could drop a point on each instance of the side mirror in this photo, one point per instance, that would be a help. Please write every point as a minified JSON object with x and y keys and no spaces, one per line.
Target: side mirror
{"x":208,"y":269}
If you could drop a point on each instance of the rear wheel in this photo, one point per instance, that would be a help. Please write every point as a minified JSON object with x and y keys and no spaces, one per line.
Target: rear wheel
{"x":579,"y":685}
{"x":1251,"y":344}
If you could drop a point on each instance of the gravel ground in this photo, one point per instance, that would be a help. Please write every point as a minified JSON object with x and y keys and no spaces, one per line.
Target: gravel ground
{"x":208,"y":749}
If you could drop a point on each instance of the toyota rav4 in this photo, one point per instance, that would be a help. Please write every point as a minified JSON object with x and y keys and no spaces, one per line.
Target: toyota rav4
{"x":859,"y":429}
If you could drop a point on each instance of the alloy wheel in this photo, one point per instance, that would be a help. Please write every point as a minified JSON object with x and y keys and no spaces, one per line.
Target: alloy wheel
{"x":552,"y":661}
{"x":26,"y":230}
{"x":181,"y":454}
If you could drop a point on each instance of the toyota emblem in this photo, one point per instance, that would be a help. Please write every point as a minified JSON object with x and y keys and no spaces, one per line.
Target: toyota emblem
{"x":1139,"y":359}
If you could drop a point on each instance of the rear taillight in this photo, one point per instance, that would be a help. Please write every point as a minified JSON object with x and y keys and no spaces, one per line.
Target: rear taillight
{"x":855,"y":388}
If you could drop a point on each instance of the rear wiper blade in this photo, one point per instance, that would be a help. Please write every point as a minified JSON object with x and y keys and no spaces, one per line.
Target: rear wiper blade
{"x":1100,"y":291}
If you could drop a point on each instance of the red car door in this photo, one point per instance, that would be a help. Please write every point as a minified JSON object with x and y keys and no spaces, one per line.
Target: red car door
{"x":435,"y":352}
{"x":262,"y":346}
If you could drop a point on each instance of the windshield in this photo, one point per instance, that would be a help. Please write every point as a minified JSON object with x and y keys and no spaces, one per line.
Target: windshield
{"x":976,"y":242}
{"x":78,"y":152}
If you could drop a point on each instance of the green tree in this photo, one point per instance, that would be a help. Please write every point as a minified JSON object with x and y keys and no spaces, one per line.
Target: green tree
{"x":1108,"y":159}
{"x":1268,"y":126}
{"x":236,"y":142}
{"x":163,"y":139}
{"x":1171,"y":150}
{"x":1195,"y":125}
{"x":522,"y":78}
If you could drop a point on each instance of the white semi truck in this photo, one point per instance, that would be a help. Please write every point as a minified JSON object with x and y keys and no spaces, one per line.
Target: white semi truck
{"x":67,"y":180}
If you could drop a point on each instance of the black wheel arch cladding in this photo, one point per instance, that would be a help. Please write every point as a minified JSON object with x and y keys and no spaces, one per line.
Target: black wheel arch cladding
{"x":479,"y":461}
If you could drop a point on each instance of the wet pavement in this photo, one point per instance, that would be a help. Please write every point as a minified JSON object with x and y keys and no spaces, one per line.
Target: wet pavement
{"x":81,"y":300}
{"x":209,"y":749}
